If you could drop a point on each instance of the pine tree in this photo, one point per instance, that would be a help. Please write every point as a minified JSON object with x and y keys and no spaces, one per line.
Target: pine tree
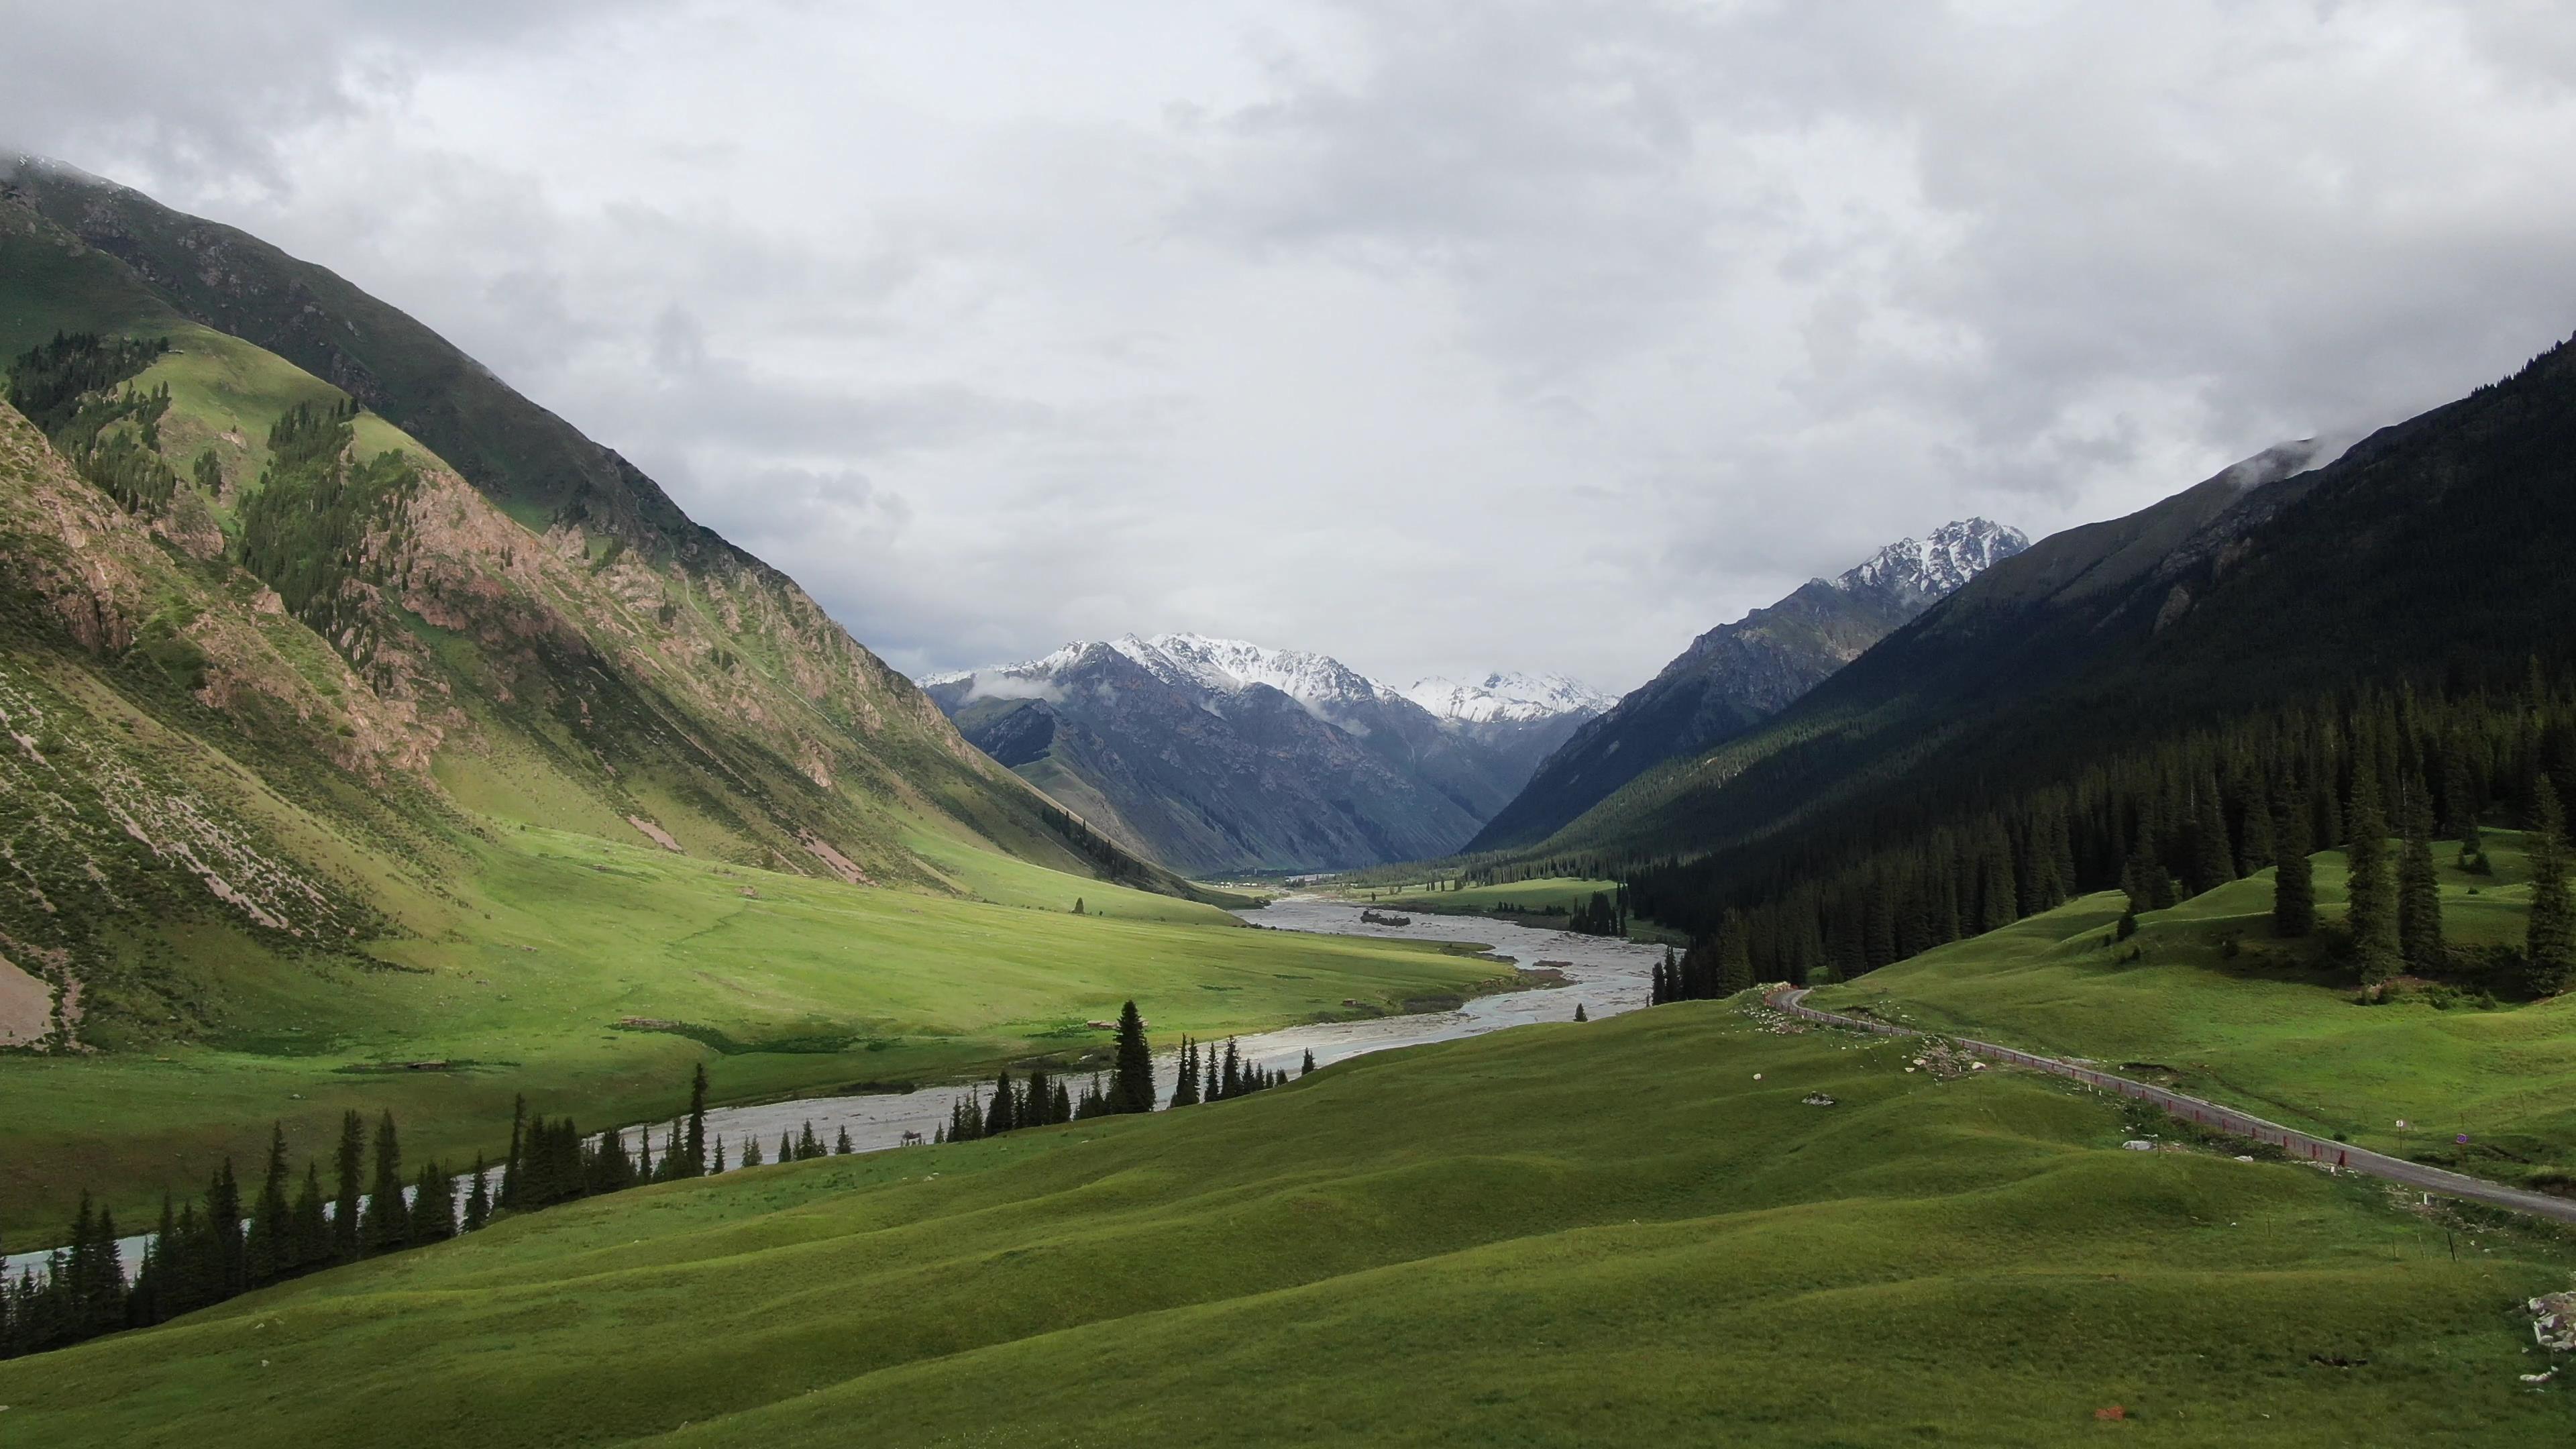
{"x":1232,"y":1081}
{"x":2550,"y":945}
{"x":1002,"y":1115}
{"x":808,"y":1146}
{"x":351,"y":1161}
{"x":1131,"y":1082}
{"x":229,"y":1265}
{"x":1185,"y":1091}
{"x":313,"y":1242}
{"x":433,"y":1206}
{"x":1307,"y":1067}
{"x":1578,"y":1016}
{"x":841,"y":1146}
{"x":696,"y":1163}
{"x":644,"y":1168}
{"x":2372,"y":916}
{"x":2419,"y":891}
{"x":786,"y":1148}
{"x":2213,"y":859}
{"x":388,"y":1220}
{"x":478,"y":1198}
{"x":269,"y":1248}
{"x":2294,"y":886}
{"x":514,"y":1167}
{"x":716,"y":1155}
{"x":2256,"y":851}
{"x":1734,"y":955}
{"x":751,"y":1151}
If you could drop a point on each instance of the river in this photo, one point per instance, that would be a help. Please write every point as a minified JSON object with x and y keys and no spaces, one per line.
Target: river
{"x":1606,"y":975}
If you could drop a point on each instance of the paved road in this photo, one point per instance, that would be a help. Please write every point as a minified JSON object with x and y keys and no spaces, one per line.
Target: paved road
{"x":2225,"y":1119}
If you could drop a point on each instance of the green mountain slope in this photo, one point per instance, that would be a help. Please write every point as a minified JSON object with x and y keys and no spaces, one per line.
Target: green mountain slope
{"x":1633,"y":1232}
{"x":2212,"y":1003}
{"x":1737,"y":675}
{"x":293,"y":718}
{"x":2429,"y":554}
{"x":565,"y":643}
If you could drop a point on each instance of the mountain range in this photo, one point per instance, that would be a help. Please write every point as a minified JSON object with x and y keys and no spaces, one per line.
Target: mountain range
{"x":1216,"y":755}
{"x":1737,"y":675}
{"x":2315,"y":583}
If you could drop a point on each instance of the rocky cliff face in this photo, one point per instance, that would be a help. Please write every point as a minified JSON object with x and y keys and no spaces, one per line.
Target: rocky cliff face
{"x":1737,"y":675}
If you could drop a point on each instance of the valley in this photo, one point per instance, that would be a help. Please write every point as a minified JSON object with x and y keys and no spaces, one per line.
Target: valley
{"x":591,"y":976}
{"x":489,"y":959}
{"x":1448,"y":1273}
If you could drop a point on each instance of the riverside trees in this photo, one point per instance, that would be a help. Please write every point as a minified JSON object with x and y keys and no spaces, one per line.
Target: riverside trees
{"x":215,"y":1246}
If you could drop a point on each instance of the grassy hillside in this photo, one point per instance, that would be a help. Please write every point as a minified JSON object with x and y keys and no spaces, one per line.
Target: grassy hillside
{"x":549,"y":630}
{"x":1627,"y":1232}
{"x":2257,"y":1028}
{"x":312,"y":761}
{"x":780,"y":983}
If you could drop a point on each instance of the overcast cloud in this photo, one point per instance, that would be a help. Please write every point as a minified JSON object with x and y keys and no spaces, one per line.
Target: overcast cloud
{"x":1436,"y":336}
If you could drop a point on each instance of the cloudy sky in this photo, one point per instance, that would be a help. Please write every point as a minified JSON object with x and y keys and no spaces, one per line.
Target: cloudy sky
{"x":1437,"y":336}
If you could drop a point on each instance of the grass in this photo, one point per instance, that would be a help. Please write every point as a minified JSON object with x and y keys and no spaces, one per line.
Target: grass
{"x":781,"y":983}
{"x":2262,"y":1029}
{"x":1627,"y":1232}
{"x":1525,"y":896}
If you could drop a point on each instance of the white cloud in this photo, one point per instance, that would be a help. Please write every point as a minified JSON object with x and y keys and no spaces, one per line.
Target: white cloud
{"x":1438,"y":337}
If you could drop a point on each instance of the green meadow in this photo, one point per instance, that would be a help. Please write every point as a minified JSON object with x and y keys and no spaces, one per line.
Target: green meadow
{"x":1629,"y":1232}
{"x":1552,"y":893}
{"x":592,"y":976}
{"x":2254,"y":1025}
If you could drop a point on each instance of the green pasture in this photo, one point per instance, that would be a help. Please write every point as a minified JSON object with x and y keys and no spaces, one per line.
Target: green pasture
{"x":1629,"y":1232}
{"x":779,"y":983}
{"x":2264,"y":1030}
{"x":1534,"y":896}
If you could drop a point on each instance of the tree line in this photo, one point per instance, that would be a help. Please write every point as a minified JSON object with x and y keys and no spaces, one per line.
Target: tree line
{"x":72,"y":389}
{"x":1041,"y":1100}
{"x":2170,"y":820}
{"x":217,"y":1246}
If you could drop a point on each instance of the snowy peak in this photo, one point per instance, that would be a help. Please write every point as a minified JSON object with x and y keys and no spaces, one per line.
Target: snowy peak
{"x":1230,"y":666}
{"x":1507,"y":696}
{"x":1934,"y":567}
{"x":1218,"y":669}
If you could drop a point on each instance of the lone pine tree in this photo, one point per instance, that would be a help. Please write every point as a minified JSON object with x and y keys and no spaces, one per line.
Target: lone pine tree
{"x":1131,"y":1082}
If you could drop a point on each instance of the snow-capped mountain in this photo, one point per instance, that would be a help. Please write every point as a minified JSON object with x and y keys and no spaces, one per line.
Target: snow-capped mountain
{"x":1507,"y":696}
{"x":1220,"y":754}
{"x":1932,"y":567}
{"x":1737,"y":675}
{"x":1230,"y":666}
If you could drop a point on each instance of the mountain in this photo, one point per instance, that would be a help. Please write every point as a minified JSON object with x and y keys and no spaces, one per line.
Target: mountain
{"x":304,"y":610}
{"x":1507,"y":697}
{"x":2417,"y":569}
{"x":1214,"y":755}
{"x":1737,"y":675}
